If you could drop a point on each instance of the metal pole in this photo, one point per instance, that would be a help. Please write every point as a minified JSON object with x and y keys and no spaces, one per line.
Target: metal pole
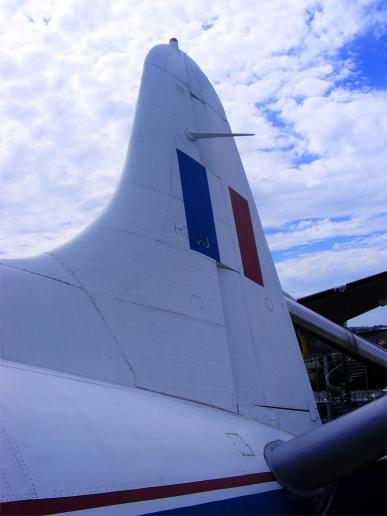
{"x":327,"y":391}
{"x":338,"y":337}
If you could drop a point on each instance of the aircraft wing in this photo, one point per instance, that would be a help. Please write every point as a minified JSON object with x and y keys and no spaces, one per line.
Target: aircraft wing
{"x":339,"y":304}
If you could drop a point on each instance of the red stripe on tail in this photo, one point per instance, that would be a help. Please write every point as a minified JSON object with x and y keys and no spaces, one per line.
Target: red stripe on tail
{"x":246,"y":239}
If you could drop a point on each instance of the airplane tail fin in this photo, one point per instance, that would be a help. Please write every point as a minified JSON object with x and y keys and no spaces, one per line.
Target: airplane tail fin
{"x":174,"y":282}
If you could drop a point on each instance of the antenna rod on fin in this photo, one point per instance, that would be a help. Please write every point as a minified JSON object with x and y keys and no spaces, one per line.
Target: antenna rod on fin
{"x":191,"y":135}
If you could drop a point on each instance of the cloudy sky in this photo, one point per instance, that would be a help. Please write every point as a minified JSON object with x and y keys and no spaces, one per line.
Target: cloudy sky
{"x":308,"y":77}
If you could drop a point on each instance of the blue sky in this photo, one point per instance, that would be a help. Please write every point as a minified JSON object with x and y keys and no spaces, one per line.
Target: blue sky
{"x":308,"y":77}
{"x":368,"y":53}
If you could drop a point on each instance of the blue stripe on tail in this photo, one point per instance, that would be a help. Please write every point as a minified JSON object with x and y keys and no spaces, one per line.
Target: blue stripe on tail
{"x":198,"y":207}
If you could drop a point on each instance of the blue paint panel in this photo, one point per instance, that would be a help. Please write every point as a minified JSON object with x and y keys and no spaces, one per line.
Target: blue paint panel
{"x":198,"y":207}
{"x":277,"y":502}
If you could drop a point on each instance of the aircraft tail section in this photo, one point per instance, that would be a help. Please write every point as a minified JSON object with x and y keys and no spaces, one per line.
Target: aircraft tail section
{"x":175,"y":281}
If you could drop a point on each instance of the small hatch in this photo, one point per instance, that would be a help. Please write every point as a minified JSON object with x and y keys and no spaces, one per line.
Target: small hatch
{"x":241,"y":444}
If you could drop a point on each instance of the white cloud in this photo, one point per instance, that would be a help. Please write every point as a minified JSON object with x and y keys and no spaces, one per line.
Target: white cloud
{"x":69,"y":77}
{"x":308,"y":232}
{"x":312,"y":272}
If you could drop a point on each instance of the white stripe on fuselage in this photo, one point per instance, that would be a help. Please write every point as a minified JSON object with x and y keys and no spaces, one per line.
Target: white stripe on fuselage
{"x":175,"y":502}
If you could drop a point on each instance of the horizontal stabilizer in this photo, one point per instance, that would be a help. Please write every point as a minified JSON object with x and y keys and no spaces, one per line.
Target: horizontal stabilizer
{"x":313,"y":460}
{"x":339,"y":304}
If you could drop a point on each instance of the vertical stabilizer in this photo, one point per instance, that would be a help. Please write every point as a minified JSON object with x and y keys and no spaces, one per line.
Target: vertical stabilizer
{"x":174,"y":282}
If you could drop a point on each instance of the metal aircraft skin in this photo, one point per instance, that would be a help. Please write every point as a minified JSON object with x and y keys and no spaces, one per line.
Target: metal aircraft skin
{"x":148,"y":362}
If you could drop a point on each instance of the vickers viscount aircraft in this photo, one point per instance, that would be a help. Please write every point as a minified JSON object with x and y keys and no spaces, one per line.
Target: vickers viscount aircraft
{"x":151,"y":365}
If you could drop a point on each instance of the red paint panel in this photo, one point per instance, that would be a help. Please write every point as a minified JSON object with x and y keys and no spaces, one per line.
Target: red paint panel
{"x":246,"y":239}
{"x":91,"y":501}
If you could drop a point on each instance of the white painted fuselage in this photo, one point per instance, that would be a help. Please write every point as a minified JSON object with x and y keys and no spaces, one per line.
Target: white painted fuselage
{"x":148,"y":362}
